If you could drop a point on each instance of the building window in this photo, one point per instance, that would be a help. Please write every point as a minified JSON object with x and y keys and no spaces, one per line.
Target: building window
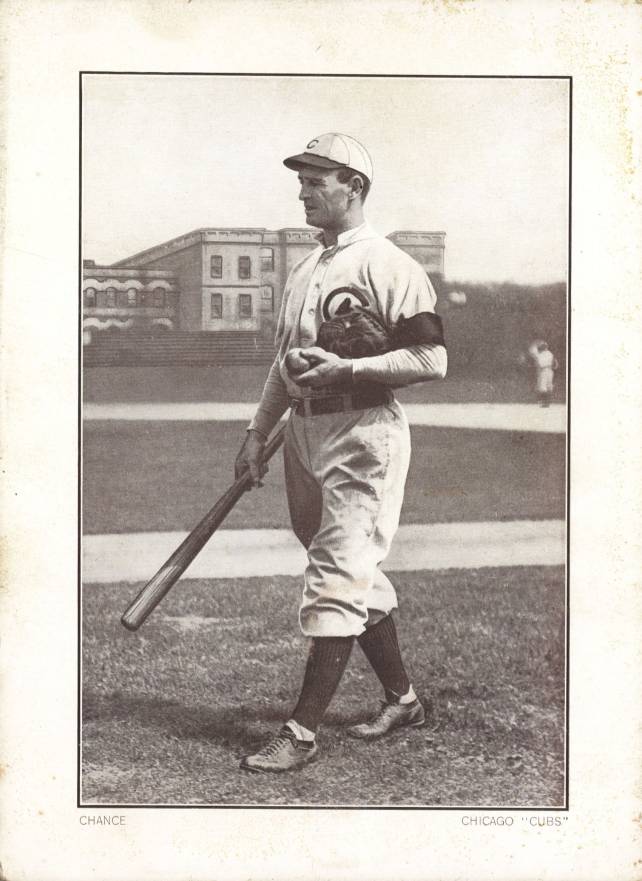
{"x":216,"y":267}
{"x":132,"y":299}
{"x":267,"y":298}
{"x":144,"y":298}
{"x":267,"y":259}
{"x":216,"y":306}
{"x":106,"y":299}
{"x":90,"y":297}
{"x":159,"y":297}
{"x":245,"y":267}
{"x":245,"y":305}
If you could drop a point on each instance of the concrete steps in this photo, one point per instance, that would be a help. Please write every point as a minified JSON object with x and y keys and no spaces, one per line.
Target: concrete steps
{"x":177,"y":347}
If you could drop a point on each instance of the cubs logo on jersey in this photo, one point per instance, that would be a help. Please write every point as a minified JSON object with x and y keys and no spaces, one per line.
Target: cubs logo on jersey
{"x":337,"y":298}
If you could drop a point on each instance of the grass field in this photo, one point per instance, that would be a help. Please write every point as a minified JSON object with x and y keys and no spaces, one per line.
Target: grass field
{"x":244,"y":383}
{"x":145,"y":476}
{"x":169,"y":711}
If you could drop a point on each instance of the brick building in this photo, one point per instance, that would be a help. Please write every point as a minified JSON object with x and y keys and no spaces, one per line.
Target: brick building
{"x":215,"y":279}
{"x":127,"y":299}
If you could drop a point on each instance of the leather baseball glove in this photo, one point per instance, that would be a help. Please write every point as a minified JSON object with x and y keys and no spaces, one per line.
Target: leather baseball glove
{"x":354,"y":332}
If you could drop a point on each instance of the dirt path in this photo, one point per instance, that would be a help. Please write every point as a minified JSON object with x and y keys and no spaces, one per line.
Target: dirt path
{"x":239,"y":553}
{"x":498,"y":417}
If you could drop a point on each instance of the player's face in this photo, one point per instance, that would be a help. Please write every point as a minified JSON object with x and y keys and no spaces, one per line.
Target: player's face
{"x":324,"y":198}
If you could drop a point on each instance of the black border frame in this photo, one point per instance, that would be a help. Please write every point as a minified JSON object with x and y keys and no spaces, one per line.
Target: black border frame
{"x":475,"y":808}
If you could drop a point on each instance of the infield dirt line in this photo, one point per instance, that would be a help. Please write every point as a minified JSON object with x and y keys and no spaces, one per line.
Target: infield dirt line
{"x":497,"y":417}
{"x":242,"y":553}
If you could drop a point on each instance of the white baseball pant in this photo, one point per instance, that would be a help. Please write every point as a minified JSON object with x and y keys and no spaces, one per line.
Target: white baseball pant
{"x":545,"y":379}
{"x":345,"y":477}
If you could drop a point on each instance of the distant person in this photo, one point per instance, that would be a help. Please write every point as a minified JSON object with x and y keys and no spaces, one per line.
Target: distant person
{"x":545,"y":367}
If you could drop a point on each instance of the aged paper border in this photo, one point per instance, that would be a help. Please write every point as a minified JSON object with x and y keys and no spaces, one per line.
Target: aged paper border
{"x":46,"y":44}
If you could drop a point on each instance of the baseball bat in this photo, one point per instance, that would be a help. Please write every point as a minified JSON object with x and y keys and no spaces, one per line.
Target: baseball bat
{"x":150,"y":596}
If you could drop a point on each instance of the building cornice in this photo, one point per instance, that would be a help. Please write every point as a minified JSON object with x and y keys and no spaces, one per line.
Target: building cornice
{"x":253,"y":235}
{"x":417,"y":237}
{"x":127,"y":272}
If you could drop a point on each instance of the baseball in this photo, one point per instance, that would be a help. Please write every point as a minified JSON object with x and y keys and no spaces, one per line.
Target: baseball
{"x":296,"y":362}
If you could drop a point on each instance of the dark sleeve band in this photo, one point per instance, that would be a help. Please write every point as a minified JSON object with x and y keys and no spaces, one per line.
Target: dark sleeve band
{"x":423,"y":329}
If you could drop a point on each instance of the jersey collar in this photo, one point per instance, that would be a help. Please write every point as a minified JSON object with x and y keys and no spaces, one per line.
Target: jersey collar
{"x":356,"y":234}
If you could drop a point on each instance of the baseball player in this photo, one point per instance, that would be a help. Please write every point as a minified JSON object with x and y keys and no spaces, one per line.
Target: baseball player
{"x":347,"y":442}
{"x":545,"y":367}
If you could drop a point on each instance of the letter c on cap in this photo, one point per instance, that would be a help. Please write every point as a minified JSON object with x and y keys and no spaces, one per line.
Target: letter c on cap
{"x":312,"y":143}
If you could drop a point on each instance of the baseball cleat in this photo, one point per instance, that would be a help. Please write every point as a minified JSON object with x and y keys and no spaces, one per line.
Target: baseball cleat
{"x":389,"y":718}
{"x":283,"y":753}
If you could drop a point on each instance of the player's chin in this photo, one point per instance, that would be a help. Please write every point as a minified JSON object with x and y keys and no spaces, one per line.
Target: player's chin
{"x":311,"y":218}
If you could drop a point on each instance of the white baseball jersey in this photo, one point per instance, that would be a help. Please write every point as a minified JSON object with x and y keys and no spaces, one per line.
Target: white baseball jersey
{"x":378,"y":274}
{"x":546,"y":365}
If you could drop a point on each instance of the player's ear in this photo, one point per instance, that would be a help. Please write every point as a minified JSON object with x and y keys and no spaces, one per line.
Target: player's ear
{"x":356,"y":186}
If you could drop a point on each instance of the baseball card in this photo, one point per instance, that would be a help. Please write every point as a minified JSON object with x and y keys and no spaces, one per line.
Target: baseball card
{"x":321,"y":441}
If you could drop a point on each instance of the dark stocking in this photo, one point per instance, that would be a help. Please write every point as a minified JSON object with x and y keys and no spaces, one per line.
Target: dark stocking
{"x":326,"y":662}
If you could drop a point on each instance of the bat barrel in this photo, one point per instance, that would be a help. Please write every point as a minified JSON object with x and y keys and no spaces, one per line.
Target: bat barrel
{"x":169,"y":573}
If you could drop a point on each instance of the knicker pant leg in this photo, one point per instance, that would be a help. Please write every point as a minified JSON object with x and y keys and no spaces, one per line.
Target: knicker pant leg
{"x":303,"y":489}
{"x":388,"y":520}
{"x":363,"y":464}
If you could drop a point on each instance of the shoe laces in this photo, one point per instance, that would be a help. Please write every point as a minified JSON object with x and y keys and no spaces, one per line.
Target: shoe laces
{"x":387,"y":708}
{"x":384,"y":709}
{"x":276,"y":744}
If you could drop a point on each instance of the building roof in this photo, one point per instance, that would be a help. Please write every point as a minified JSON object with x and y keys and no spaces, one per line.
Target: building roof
{"x":249,"y":234}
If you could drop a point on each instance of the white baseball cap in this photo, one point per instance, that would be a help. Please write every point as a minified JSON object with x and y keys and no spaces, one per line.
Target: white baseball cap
{"x":333,"y":150}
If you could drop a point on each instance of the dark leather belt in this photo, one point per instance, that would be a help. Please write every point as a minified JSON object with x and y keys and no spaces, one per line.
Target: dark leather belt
{"x":319,"y":406}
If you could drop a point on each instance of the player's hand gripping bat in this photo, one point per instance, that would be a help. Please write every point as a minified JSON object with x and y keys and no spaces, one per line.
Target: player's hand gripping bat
{"x":169,"y":573}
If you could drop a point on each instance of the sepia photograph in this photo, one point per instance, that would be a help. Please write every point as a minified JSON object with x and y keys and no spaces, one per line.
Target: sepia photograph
{"x":320,"y":394}
{"x":371,"y":273}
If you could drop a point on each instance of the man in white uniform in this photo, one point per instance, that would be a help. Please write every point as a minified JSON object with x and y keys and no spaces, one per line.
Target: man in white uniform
{"x":347,"y":444}
{"x":545,"y":367}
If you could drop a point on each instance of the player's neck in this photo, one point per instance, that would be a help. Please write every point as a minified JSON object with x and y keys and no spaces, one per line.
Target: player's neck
{"x":352,"y":219}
